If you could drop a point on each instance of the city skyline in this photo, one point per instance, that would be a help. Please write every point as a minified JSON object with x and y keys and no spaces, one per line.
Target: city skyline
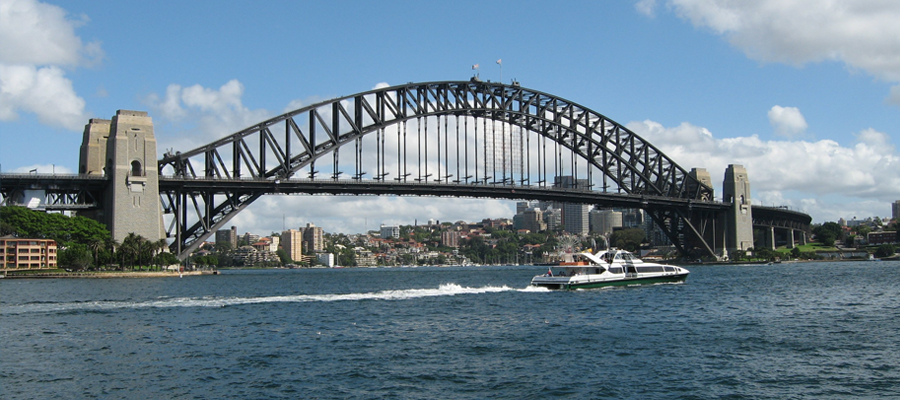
{"x":805,"y":96}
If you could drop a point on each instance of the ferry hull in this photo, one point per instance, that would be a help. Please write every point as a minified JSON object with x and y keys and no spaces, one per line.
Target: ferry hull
{"x":616,"y":282}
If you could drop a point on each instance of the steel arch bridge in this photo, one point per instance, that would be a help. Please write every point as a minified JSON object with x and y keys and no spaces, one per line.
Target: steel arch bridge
{"x":455,"y":138}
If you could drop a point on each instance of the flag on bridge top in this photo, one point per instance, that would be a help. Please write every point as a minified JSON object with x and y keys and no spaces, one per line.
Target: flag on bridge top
{"x":475,"y":66}
{"x":500,"y":61}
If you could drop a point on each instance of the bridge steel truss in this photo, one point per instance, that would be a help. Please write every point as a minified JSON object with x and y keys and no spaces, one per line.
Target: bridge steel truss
{"x":277,"y":149}
{"x":62,"y":192}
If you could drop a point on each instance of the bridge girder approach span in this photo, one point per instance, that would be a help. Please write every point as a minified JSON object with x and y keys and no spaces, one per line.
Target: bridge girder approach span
{"x":471,"y":134}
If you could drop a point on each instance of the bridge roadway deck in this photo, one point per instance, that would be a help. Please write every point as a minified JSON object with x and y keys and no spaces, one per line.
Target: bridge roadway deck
{"x":473,"y":190}
{"x":769,"y":216}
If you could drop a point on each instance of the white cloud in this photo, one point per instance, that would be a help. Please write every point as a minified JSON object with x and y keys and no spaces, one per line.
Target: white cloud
{"x":646,"y":7}
{"x":862,"y":34}
{"x":36,"y":39}
{"x":44,"y":92}
{"x":862,"y":174}
{"x":787,"y":121}
{"x":196,"y":115}
{"x":35,"y":33}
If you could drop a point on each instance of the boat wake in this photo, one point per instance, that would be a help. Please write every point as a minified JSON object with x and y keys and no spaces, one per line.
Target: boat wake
{"x":447,"y":289}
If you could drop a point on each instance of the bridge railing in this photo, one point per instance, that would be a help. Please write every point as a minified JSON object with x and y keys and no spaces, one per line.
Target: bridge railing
{"x":411,"y":182}
{"x":33,"y":175}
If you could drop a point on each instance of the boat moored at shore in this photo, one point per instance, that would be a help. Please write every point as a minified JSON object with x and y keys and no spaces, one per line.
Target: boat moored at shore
{"x":611,"y":267}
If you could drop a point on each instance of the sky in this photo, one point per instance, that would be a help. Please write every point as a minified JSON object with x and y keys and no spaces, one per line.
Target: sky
{"x":804,"y":93}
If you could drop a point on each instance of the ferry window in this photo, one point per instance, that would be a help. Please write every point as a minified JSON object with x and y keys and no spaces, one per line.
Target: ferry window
{"x":670,"y":269}
{"x":615,"y":270}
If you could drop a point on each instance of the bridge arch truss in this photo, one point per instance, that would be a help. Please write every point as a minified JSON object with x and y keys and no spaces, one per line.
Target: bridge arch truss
{"x":458,"y":135}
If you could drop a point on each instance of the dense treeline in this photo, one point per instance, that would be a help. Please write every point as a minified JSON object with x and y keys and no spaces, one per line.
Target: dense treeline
{"x":85,"y":243}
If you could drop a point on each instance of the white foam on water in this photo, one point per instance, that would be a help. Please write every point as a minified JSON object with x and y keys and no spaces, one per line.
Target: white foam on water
{"x":447,"y":289}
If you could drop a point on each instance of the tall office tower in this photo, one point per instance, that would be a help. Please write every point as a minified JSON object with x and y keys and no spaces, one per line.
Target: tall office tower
{"x":574,"y":215}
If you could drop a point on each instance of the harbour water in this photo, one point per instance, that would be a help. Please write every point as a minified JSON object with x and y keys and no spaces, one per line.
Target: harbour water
{"x":808,"y":330}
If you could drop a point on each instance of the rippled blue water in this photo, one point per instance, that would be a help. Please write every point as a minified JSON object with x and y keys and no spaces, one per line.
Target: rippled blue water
{"x":819,"y":330}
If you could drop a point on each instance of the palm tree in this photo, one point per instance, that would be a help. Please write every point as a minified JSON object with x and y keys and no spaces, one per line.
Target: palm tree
{"x":95,"y":245}
{"x":111,"y":245}
{"x":156,"y":248}
{"x":130,"y":248}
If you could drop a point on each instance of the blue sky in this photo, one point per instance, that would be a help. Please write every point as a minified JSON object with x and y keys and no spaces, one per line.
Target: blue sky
{"x":805,"y":94}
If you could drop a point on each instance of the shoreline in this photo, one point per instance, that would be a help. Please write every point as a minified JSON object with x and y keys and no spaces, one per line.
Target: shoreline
{"x":109,"y":275}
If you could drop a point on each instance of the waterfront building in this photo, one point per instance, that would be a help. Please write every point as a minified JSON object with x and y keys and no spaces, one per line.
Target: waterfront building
{"x":365,"y":258}
{"x":292,"y":243}
{"x":313,"y":238}
{"x":884,"y":237}
{"x":249,"y":256}
{"x":326,"y":259}
{"x":21,"y":253}
{"x":274,"y":242}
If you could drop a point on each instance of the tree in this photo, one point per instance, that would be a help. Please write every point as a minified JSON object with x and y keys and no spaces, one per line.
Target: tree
{"x":95,"y":245}
{"x":828,"y":233}
{"x":826,"y":238}
{"x":765,"y":253}
{"x":885,"y":250}
{"x":76,"y":257}
{"x":628,"y":239}
{"x":64,"y":230}
{"x":283,"y":256}
{"x":166,"y":258}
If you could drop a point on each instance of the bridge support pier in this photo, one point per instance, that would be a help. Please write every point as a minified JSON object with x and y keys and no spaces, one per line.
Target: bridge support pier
{"x":124,"y":150}
{"x":739,"y":219}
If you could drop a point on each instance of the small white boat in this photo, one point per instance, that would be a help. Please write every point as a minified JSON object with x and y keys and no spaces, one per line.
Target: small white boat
{"x":611,"y":267}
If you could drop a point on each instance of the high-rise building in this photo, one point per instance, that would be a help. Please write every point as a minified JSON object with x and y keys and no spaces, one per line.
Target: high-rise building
{"x":228,"y":236}
{"x":574,"y":215}
{"x":895,"y":210}
{"x":313,"y":238}
{"x":292,"y":243}
{"x":450,"y":238}
{"x":250,"y":238}
{"x":531,"y":219}
{"x":553,"y":218}
{"x":604,"y":221}
{"x":521,"y":206}
{"x":391,"y":232}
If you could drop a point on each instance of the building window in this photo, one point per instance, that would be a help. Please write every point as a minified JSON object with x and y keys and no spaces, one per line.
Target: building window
{"x":136,"y":169}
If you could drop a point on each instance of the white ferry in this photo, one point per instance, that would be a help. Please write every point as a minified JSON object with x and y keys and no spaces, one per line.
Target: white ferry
{"x":611,"y":267}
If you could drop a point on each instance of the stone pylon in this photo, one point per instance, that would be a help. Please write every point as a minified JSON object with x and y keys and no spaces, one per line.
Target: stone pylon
{"x":739,"y":218}
{"x":124,"y":150}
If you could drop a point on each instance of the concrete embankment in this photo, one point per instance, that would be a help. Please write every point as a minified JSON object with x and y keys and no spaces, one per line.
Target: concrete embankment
{"x":145,"y":274}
